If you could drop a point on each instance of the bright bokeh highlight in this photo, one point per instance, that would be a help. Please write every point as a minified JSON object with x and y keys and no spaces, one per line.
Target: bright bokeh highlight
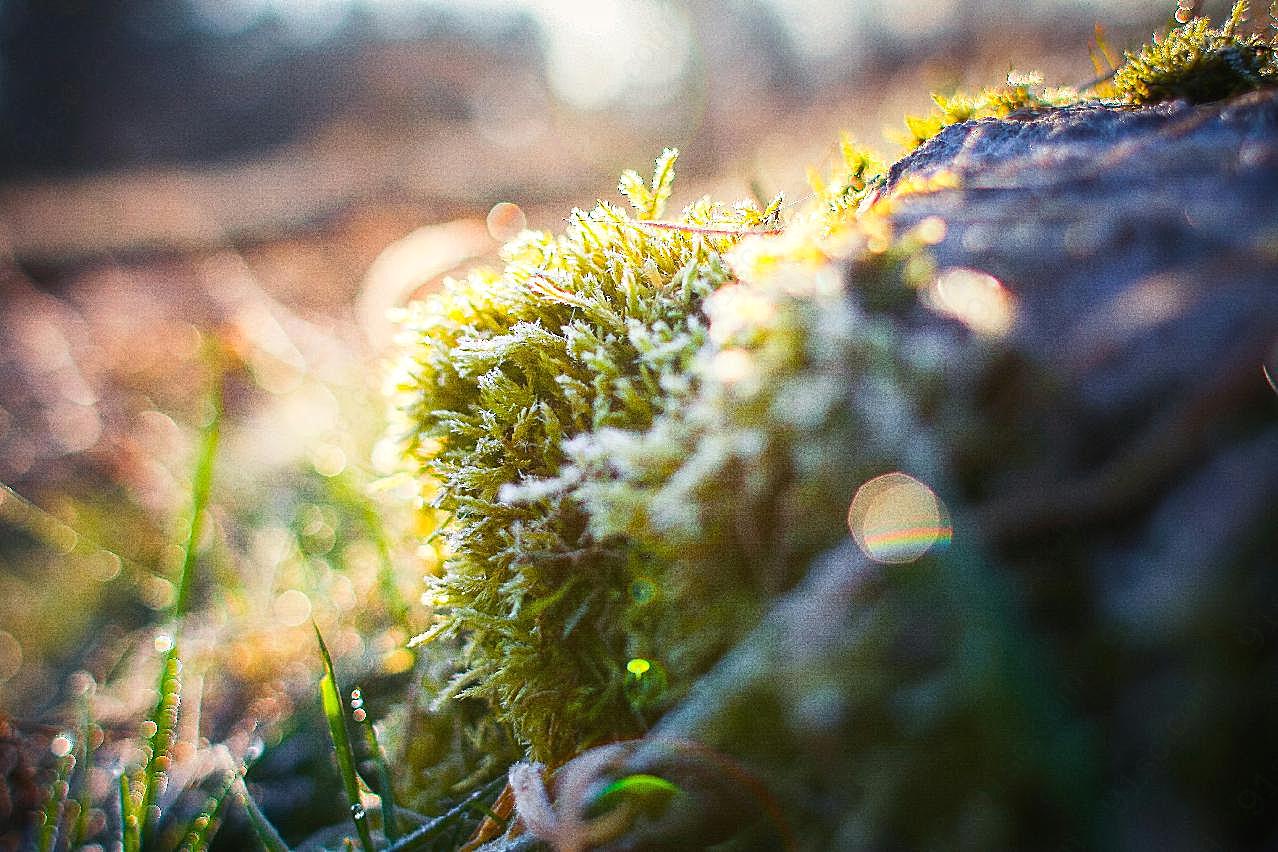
{"x":896,"y":519}
{"x":505,"y":221}
{"x":974,"y":298}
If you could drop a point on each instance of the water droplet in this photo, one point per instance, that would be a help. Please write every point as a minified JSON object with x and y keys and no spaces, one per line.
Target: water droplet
{"x":359,"y":715}
{"x":642,"y":590}
{"x":157,"y":592}
{"x":61,"y":745}
{"x":104,"y":566}
{"x":81,"y":683}
{"x":148,"y":729}
{"x":357,"y":811}
{"x":329,"y":460}
{"x":163,"y":643}
{"x":895,"y":519}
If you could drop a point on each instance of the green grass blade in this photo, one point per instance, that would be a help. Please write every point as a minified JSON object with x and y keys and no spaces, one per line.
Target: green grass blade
{"x":55,"y":803}
{"x":80,"y":834}
{"x":332,"y":701}
{"x":262,"y":827}
{"x":206,"y":823}
{"x":163,"y":727}
{"x":201,"y":482}
{"x":163,"y":719}
{"x":364,"y":724}
{"x":130,"y":827}
{"x":420,"y":837}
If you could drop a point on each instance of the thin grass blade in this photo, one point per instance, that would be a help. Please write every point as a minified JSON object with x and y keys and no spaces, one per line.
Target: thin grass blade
{"x":55,"y":802}
{"x":422,"y":836}
{"x":163,"y":719}
{"x":130,"y":825}
{"x":332,"y":701}
{"x":206,"y":823}
{"x":80,"y":833}
{"x":262,"y":827}
{"x":364,"y":724}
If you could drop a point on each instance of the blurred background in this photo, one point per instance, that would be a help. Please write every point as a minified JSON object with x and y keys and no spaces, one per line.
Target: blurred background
{"x":266,"y":178}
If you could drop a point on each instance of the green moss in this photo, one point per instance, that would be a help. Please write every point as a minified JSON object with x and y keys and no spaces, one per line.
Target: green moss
{"x":589,"y":330}
{"x":1193,"y":61}
{"x":1198,"y":63}
{"x":1022,"y":92}
{"x":638,"y":436}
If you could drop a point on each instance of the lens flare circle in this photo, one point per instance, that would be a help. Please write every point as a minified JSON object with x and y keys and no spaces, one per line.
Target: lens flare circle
{"x":895,"y":519}
{"x":505,"y":221}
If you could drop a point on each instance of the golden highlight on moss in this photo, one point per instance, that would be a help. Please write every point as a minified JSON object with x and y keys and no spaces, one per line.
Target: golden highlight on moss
{"x":1198,"y":63}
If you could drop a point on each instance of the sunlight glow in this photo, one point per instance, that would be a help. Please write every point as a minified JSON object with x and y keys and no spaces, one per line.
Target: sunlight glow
{"x":601,"y":51}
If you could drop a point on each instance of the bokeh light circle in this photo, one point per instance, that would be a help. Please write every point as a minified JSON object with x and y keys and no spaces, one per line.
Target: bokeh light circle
{"x":292,"y":608}
{"x":506,"y":221}
{"x":896,"y":519}
{"x":975,"y":298}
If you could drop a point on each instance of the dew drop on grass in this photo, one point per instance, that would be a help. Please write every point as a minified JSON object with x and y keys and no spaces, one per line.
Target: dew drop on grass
{"x":358,"y":812}
{"x":642,"y":590}
{"x":148,"y":729}
{"x":61,"y":745}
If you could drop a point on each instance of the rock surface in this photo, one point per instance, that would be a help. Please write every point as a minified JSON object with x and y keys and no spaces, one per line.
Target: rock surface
{"x":1094,"y":662}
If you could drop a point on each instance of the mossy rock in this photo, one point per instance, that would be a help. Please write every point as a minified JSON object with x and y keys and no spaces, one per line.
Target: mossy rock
{"x":1094,"y":661}
{"x":641,"y":435}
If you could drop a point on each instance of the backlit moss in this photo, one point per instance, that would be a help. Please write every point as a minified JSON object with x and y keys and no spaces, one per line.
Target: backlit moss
{"x":1198,"y":63}
{"x":593,"y":329}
